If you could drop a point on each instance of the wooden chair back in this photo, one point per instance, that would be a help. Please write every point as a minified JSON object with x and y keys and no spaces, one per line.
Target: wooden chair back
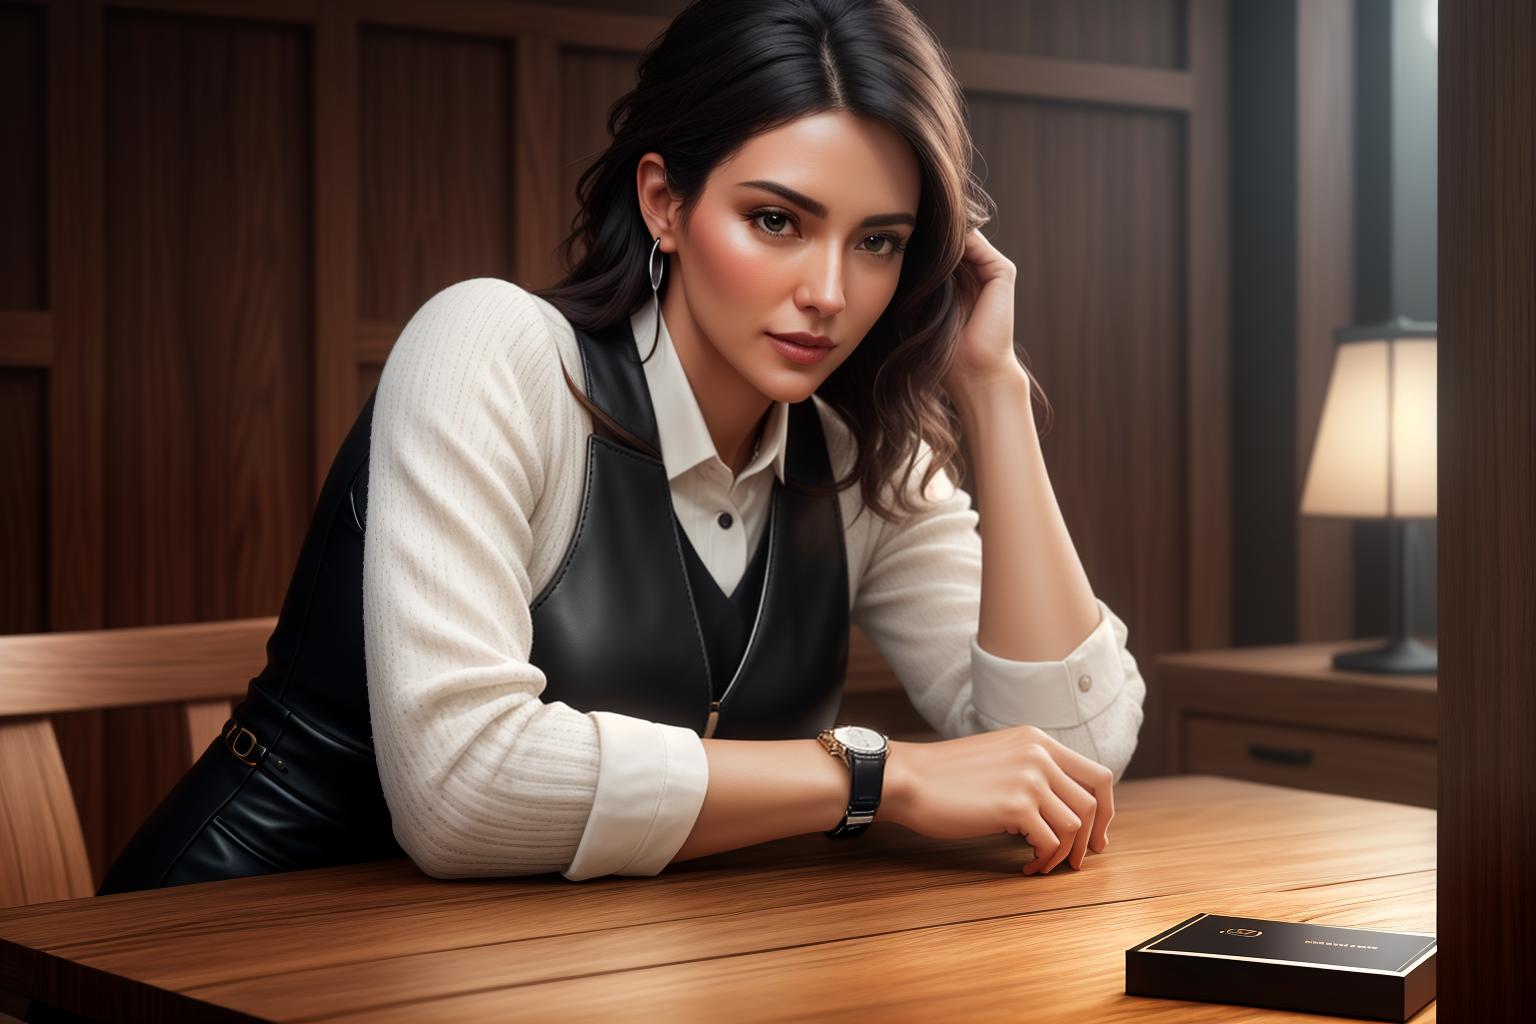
{"x":203,"y":667}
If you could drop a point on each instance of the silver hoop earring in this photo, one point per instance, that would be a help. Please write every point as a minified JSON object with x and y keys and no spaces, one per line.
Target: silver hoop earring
{"x":656,"y":272}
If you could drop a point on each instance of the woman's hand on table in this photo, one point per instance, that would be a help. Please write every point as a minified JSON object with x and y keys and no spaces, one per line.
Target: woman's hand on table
{"x":1018,"y":780}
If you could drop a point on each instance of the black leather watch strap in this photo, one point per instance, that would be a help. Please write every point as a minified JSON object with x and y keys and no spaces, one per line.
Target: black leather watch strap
{"x":867,"y":777}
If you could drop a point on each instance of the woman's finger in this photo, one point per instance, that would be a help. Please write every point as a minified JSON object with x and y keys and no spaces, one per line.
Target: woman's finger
{"x":1038,"y":835}
{"x":1065,"y":824}
{"x":1082,"y":803}
{"x":1093,"y":777}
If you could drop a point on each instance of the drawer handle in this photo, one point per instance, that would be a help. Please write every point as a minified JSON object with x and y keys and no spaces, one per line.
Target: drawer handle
{"x":1279,"y":755}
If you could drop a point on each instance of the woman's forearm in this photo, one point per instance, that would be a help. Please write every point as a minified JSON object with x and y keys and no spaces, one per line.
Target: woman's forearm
{"x":1036,"y":601}
{"x":760,"y":790}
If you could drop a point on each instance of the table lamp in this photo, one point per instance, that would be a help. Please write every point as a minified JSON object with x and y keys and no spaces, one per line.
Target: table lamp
{"x":1374,"y":458}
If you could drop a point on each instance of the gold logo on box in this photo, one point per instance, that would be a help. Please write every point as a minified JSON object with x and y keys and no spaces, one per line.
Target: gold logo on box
{"x":1246,"y":933}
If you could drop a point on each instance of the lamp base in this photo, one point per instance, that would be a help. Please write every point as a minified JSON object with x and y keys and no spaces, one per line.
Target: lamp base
{"x":1400,"y":656}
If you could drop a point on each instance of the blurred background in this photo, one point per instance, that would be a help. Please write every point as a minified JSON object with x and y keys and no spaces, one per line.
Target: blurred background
{"x":217,"y":215}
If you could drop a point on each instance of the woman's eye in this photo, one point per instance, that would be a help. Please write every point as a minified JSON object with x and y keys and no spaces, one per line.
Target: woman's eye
{"x":894,"y":246}
{"x":773,"y":216}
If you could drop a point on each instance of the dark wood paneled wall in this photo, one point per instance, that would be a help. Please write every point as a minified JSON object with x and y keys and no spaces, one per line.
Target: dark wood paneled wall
{"x":226,"y":210}
{"x":435,"y":205}
{"x":1078,"y":225}
{"x":23,"y":511}
{"x":1487,"y":286}
{"x":23,"y":242}
{"x":209,"y":298}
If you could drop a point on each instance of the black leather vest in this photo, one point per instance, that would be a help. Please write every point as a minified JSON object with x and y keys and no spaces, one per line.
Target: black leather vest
{"x":294,"y":784}
{"x":616,"y":627}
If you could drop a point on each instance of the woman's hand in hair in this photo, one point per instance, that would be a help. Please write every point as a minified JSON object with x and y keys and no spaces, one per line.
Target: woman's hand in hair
{"x":1017,"y":780}
{"x":984,"y":351}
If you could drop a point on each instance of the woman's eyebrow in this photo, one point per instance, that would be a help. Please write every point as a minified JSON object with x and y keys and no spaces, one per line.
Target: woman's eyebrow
{"x":811,"y":206}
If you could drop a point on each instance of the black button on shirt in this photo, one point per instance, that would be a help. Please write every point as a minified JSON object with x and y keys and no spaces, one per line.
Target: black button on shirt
{"x":725,"y":520}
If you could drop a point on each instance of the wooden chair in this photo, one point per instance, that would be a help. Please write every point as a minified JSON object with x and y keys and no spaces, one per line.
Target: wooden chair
{"x":203,"y":667}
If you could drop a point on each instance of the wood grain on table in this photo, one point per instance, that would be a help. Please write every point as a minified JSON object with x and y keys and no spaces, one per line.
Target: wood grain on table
{"x":893,"y":924}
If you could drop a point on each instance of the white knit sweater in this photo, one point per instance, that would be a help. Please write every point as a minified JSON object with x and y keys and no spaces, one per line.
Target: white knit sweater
{"x":475,"y":483}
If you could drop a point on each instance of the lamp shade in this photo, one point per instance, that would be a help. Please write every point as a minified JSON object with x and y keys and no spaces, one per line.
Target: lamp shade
{"x":1375,"y":452}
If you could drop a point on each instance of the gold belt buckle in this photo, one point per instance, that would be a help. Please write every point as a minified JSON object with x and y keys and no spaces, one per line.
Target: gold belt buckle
{"x":234,"y":735}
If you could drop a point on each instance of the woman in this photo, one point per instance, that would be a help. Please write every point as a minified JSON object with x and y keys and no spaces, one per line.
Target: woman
{"x":599,"y":547}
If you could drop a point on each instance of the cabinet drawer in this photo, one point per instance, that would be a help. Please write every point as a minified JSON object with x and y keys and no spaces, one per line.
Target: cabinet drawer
{"x":1353,"y":764}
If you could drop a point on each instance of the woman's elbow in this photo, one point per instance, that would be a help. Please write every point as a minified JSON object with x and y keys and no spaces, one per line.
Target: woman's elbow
{"x":424,"y":843}
{"x":449,"y":834}
{"x":445,"y":857}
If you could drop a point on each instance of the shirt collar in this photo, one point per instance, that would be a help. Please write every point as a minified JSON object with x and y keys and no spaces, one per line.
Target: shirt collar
{"x":680,"y":426}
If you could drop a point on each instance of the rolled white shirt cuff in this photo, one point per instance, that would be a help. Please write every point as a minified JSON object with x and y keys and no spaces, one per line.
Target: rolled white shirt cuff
{"x":1052,"y":694}
{"x":651,"y":781}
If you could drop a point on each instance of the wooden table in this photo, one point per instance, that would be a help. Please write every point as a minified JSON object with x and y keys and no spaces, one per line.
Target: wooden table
{"x":893,"y":924}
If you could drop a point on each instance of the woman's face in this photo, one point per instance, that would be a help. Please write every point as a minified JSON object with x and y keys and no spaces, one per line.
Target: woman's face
{"x":802,"y":231}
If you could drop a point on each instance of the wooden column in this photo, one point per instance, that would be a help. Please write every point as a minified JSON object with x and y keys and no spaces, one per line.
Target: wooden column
{"x":1208,"y":410}
{"x":1324,"y":292}
{"x":1487,"y":372}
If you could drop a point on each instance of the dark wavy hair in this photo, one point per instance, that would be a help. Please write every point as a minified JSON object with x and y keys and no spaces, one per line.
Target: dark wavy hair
{"x":726,"y":70}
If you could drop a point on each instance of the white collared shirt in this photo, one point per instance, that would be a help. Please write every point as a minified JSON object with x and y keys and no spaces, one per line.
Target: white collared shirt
{"x":476,"y":477}
{"x":723,"y":517}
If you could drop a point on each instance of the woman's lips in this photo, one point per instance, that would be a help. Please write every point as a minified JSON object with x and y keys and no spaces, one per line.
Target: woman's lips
{"x":803,"y":354}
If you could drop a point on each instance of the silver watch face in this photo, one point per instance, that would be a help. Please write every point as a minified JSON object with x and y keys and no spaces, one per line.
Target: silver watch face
{"x":856,"y":737}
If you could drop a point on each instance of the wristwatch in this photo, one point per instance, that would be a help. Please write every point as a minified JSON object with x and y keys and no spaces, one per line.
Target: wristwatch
{"x":864,"y":751}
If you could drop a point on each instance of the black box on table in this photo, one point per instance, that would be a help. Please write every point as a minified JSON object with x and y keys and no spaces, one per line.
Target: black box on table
{"x":1347,"y":972}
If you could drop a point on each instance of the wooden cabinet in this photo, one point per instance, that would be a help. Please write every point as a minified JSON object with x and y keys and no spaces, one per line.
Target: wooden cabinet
{"x":1283,"y":715}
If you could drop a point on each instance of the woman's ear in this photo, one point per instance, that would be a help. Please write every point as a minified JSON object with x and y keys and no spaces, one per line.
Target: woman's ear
{"x":658,"y":207}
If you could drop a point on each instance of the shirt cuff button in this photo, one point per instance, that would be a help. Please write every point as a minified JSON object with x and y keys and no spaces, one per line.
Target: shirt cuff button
{"x":1085,"y":683}
{"x":725,"y":520}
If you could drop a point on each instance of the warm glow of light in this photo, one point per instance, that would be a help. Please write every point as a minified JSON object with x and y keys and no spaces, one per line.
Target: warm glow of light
{"x":1355,"y":454}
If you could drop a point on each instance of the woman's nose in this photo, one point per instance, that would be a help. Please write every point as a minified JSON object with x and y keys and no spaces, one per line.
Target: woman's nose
{"x":822,"y":287}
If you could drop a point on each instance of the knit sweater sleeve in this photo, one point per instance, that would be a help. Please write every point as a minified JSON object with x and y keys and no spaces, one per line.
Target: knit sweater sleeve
{"x":917,"y":596}
{"x":472,"y":429}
